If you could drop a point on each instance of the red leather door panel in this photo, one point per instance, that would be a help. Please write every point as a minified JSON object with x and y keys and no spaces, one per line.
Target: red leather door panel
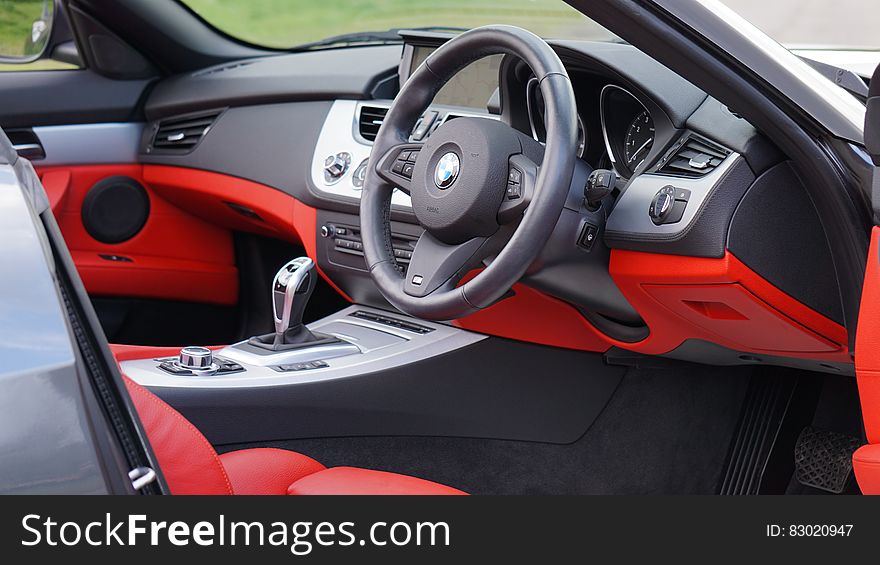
{"x":176,"y":256}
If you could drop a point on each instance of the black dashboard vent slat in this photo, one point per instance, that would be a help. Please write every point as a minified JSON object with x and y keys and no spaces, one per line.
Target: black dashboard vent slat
{"x":693,"y":158}
{"x":182,"y":134}
{"x":370,"y":120}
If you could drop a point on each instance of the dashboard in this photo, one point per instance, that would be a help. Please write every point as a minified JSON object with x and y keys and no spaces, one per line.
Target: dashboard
{"x":698,"y":252}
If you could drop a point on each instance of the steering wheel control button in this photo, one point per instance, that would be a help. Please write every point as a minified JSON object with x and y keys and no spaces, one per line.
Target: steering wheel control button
{"x":404,"y":163}
{"x":514,"y":176}
{"x":514,"y":183}
{"x":447,"y":170}
{"x":668,"y":205}
{"x":335,"y":167}
{"x":417,"y":280}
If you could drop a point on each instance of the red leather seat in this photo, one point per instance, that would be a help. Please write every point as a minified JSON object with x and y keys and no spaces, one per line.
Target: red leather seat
{"x":191,"y":465}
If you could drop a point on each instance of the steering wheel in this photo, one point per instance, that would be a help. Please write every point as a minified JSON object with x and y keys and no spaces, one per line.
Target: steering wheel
{"x":480,"y":188}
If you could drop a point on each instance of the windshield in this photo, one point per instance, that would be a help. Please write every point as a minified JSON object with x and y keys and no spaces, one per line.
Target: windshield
{"x":283,"y":24}
{"x":840,"y":24}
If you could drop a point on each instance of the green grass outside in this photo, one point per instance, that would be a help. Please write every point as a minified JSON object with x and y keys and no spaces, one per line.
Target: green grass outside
{"x":16,"y":18}
{"x":284,"y":23}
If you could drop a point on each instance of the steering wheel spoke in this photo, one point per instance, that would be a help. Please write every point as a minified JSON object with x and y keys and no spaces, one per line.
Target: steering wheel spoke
{"x":397,"y":164}
{"x":435,"y":264}
{"x":522,"y":178}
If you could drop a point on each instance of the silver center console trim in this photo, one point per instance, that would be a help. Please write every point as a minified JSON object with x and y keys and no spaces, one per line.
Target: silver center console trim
{"x":411,"y":348}
{"x":630,"y":215}
{"x":304,"y":355}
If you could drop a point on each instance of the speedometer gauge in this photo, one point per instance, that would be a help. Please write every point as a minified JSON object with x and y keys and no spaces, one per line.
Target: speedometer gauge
{"x":639,"y":139}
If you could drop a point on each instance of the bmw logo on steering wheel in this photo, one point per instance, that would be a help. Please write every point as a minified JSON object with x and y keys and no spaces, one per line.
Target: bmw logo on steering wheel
{"x":446,"y":171}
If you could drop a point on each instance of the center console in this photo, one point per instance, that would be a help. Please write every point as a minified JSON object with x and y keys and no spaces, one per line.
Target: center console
{"x":369,"y":340}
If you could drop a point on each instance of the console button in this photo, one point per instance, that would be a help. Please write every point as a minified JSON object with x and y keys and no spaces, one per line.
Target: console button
{"x":677,"y":212}
{"x":588,"y":236}
{"x":357,"y":178}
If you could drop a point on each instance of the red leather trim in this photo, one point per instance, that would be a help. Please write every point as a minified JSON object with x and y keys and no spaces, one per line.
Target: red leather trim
{"x":208,"y":195}
{"x":57,"y":186}
{"x":349,"y":480}
{"x":173,"y":255}
{"x":191,"y":465}
{"x":265,"y":470}
{"x":146,"y":276}
{"x":868,"y":343}
{"x":721,"y":301}
{"x":866,"y":464}
{"x":187,"y":460}
{"x":532,"y":316}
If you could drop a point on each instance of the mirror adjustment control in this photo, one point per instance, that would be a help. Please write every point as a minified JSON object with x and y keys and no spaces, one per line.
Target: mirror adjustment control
{"x":335,"y":166}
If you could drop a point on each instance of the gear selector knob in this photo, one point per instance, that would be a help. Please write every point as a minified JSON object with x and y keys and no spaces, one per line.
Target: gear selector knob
{"x":291,"y":290}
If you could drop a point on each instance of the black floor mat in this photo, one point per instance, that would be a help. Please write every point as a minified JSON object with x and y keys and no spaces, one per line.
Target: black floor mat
{"x":665,"y":431}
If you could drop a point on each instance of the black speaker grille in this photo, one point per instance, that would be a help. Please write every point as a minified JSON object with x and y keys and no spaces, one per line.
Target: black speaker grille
{"x":115,"y":209}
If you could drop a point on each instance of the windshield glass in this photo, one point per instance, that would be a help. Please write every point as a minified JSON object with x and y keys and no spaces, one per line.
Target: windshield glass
{"x":283,"y":24}
{"x":841,"y":24}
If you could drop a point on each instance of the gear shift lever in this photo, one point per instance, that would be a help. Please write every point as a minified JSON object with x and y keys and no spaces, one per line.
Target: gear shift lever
{"x":291,"y":290}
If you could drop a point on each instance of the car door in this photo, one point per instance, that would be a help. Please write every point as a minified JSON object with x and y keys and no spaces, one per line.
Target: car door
{"x":75,"y":112}
{"x":866,"y":461}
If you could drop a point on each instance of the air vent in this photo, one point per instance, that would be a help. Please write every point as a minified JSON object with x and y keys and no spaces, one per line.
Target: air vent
{"x":370,"y":120}
{"x":181,"y":135}
{"x":696,"y":157}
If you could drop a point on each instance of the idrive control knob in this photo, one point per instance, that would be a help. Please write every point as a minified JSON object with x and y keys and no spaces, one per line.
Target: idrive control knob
{"x":196,"y":359}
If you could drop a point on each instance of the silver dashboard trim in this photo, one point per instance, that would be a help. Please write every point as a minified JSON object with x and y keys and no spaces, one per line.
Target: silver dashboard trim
{"x":90,"y":144}
{"x":602,"y":95}
{"x":338,"y":135}
{"x":630,"y":213}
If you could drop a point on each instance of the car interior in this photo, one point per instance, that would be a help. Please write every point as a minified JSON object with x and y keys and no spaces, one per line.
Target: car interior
{"x":446,"y":263}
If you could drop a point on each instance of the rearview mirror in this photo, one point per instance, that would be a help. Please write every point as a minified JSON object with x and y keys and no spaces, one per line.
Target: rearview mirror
{"x":25,"y":27}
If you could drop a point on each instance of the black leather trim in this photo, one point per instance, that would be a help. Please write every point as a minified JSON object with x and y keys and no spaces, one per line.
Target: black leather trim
{"x":777,"y":232}
{"x":706,"y":236}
